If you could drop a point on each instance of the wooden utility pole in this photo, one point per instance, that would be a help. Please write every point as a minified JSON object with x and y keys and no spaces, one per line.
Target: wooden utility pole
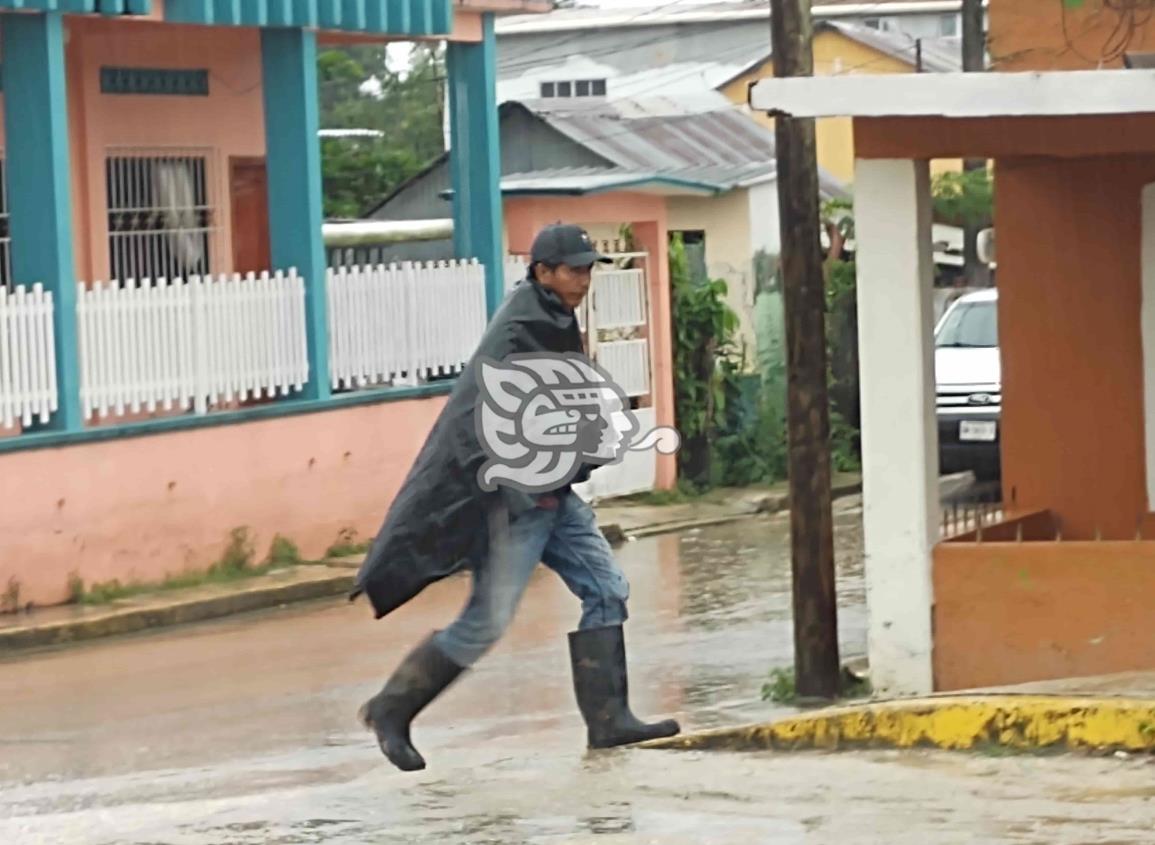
{"x":816,"y":664}
{"x":974,"y":56}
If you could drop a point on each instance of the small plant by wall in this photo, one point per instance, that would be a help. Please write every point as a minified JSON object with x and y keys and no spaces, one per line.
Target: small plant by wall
{"x":10,"y":599}
{"x":347,"y":545}
{"x":704,"y":329}
{"x":283,"y":552}
{"x":237,"y":562}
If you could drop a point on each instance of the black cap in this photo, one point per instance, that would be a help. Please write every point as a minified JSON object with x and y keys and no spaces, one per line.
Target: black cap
{"x":566,"y":244}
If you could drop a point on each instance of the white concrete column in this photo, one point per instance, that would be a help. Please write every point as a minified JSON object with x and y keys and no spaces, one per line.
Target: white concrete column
{"x":1147,"y":328}
{"x":892,"y":217}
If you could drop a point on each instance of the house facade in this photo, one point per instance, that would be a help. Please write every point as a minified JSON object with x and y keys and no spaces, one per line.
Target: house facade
{"x":707,"y":170}
{"x":176,"y":359}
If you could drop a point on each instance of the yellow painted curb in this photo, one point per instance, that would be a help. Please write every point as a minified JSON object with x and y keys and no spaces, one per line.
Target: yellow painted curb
{"x":1026,"y":722}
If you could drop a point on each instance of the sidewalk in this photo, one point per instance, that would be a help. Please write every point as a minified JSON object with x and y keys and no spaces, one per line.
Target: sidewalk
{"x":1101,"y":714}
{"x":629,"y":517}
{"x":620,"y":520}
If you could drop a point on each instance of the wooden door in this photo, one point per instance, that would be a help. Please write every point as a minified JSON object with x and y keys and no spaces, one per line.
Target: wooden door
{"x":249,"y":190}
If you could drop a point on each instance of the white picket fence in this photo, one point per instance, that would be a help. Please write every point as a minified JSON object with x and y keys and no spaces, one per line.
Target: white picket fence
{"x":200,"y":343}
{"x":27,"y":356}
{"x":190,"y":344}
{"x":402,"y":323}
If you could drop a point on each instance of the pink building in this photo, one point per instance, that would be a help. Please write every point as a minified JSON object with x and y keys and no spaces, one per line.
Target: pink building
{"x":176,"y":361}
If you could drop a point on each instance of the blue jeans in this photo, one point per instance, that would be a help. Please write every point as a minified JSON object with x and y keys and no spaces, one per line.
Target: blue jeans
{"x":568,"y":541}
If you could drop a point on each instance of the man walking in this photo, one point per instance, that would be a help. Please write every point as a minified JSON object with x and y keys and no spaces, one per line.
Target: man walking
{"x":443,"y":521}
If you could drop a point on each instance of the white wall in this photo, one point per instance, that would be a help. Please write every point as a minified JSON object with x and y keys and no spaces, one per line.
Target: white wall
{"x":765,"y":232}
{"x":899,"y":430}
{"x":727,"y":221}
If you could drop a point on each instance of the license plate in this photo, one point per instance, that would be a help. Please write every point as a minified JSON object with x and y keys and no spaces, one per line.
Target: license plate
{"x":983,"y":431}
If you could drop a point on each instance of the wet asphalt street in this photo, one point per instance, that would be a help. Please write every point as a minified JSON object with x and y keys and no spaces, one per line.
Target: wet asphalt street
{"x":244,"y":731}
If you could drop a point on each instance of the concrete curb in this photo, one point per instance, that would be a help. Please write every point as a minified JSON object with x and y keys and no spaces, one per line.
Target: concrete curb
{"x":1021,"y":722}
{"x":126,"y":620}
{"x":770,"y":504}
{"x":129,"y":620}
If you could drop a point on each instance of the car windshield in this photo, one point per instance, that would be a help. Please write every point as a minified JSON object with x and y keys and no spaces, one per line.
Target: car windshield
{"x":970,"y":325}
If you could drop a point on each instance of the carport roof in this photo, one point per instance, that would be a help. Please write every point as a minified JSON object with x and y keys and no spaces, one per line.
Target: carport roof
{"x":960,"y":95}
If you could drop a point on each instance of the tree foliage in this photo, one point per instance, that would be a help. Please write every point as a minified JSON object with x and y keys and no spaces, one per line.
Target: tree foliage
{"x":704,"y":331}
{"x":964,"y":198}
{"x":360,"y":90}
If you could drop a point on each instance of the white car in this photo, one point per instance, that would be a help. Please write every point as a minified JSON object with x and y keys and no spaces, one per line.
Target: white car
{"x":968,"y":376}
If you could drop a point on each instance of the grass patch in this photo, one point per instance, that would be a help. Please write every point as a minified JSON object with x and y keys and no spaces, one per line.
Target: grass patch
{"x":347,"y":545}
{"x":781,"y":687}
{"x":684,"y":492}
{"x":237,"y":562}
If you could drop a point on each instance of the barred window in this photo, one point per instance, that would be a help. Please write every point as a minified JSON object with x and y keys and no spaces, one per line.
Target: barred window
{"x":161,"y":220}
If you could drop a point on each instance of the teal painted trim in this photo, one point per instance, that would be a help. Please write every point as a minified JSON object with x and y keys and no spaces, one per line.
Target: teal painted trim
{"x":189,"y":11}
{"x":290,"y":408}
{"x":87,"y":7}
{"x":330,"y":13}
{"x":442,"y":16}
{"x":280,"y":12}
{"x":700,"y":188}
{"x":305,"y":12}
{"x":392,"y":17}
{"x":399,"y":16}
{"x":296,"y":214}
{"x":475,"y":157}
{"x":353,"y":15}
{"x":703,"y":188}
{"x":228,"y":12}
{"x":377,"y":15}
{"x":421,"y":21}
{"x":39,"y":185}
{"x":254,"y":14}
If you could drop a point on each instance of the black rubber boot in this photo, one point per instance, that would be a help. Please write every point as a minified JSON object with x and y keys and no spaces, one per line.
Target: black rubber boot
{"x":600,"y":681}
{"x":420,"y":678}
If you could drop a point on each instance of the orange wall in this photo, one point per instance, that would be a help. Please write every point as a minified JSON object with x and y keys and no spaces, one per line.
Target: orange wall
{"x":1068,"y":218}
{"x":145,"y":506}
{"x":1009,"y":613}
{"x":1068,"y":137}
{"x":229,"y":122}
{"x":1045,"y":35}
{"x":524,"y":217}
{"x":1069,"y":289}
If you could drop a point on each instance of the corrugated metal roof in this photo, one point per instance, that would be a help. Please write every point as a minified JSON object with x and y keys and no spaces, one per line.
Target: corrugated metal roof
{"x":702,"y":144}
{"x":578,"y":181}
{"x":939,"y":55}
{"x":583,"y":17}
{"x":680,"y":59}
{"x":703,"y":139}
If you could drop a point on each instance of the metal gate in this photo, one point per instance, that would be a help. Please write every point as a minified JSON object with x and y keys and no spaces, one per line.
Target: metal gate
{"x":615,"y":320}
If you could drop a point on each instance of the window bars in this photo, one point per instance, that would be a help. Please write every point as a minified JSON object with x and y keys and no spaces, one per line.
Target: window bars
{"x":161,"y":214}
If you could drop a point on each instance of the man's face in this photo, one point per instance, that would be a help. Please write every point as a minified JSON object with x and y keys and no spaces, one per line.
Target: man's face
{"x":570,"y":283}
